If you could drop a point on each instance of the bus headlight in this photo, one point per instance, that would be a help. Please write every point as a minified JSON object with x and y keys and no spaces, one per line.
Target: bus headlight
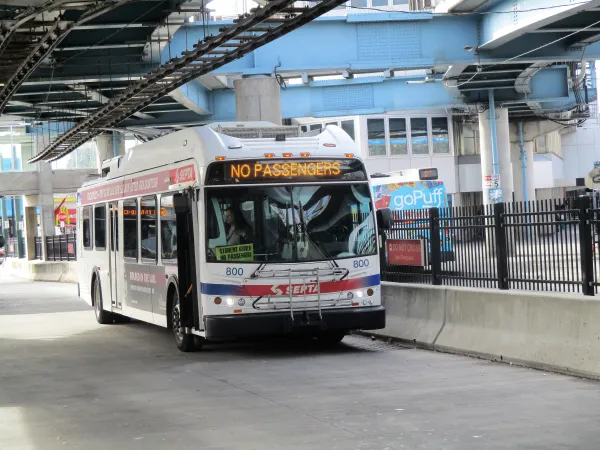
{"x":229,"y":301}
{"x":241,"y":302}
{"x":350,"y":295}
{"x":359,"y":294}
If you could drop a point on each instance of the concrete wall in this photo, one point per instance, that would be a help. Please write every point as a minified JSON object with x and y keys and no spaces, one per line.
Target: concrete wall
{"x":64,"y":272}
{"x":580,"y":148}
{"x":549,"y":331}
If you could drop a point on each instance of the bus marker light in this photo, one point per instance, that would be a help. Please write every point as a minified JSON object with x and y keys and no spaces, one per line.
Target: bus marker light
{"x":237,"y":311}
{"x":269,"y":155}
{"x":241,"y":302}
{"x":220,"y":158}
{"x":305,"y":155}
{"x":229,"y":301}
{"x":329,"y":145}
{"x":355,"y":304}
{"x":217,"y":300}
{"x":287,"y":155}
{"x":369,"y":292}
{"x":349,"y":155}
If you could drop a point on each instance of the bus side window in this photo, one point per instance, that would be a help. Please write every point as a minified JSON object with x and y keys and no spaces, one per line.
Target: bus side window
{"x":168,"y":230}
{"x":87,"y":227}
{"x":149,"y":235}
{"x":130,"y":229}
{"x":100,"y":227}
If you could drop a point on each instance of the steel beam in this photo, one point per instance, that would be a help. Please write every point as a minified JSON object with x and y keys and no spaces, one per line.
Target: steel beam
{"x":170,"y":76}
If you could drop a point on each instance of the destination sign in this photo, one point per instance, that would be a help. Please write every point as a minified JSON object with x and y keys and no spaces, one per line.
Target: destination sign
{"x":287,"y":169}
{"x":269,"y":171}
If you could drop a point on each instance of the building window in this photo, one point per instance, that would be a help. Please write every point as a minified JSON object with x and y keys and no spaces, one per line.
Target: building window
{"x":348,"y":127}
{"x":87,"y":227}
{"x":331,"y":123}
{"x":398,"y":144}
{"x":358,"y":3}
{"x":168,"y":230}
{"x":148,"y":221}
{"x":316,"y":126}
{"x":399,"y":2}
{"x":130,"y":229}
{"x":440,"y":136}
{"x":419,"y":136}
{"x":379,"y":2}
{"x":100,"y":227}
{"x":376,"y":137}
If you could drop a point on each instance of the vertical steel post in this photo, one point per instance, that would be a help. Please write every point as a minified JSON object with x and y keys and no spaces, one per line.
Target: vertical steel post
{"x":494,"y":137}
{"x":501,"y":250}
{"x":585,"y":246}
{"x":435,"y":244}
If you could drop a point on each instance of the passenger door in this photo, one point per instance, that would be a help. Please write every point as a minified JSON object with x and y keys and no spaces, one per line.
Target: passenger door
{"x":114,"y":256}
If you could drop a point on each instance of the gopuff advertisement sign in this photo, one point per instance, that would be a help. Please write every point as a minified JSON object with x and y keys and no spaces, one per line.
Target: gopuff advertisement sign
{"x":410,"y":195}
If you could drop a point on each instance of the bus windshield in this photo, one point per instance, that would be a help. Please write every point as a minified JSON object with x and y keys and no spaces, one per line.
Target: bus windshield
{"x":289,"y":224}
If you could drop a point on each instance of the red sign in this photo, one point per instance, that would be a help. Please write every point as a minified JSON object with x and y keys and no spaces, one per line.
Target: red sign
{"x":405,"y":252}
{"x":148,"y":184}
{"x":62,"y":216}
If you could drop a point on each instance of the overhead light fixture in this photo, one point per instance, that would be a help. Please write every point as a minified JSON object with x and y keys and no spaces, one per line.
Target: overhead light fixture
{"x":468,"y":48}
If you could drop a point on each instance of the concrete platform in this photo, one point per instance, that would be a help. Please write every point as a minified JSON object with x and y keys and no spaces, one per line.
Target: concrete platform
{"x":68,"y":383}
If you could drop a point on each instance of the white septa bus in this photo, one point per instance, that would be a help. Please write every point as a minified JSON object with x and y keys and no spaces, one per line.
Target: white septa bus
{"x":218,"y":236}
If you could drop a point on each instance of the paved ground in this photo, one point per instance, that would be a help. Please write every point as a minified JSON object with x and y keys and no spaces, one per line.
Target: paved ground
{"x":66,"y":382}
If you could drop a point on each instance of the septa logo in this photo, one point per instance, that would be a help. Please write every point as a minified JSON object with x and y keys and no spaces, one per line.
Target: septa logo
{"x":297,"y":289}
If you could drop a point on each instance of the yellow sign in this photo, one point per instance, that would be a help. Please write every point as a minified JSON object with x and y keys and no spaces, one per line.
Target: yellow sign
{"x":287,"y":169}
{"x":242,"y":252}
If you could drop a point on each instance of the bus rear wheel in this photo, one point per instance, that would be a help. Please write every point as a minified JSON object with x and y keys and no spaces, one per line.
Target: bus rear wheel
{"x":102,"y":317}
{"x":185,"y":342}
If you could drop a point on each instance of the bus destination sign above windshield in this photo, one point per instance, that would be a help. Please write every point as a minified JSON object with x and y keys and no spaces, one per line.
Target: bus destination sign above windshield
{"x":293,"y":169}
{"x":270,"y":171}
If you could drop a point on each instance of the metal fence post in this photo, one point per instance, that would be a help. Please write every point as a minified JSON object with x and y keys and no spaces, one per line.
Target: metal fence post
{"x":501,"y":250}
{"x":585,"y":246}
{"x":435,"y":245}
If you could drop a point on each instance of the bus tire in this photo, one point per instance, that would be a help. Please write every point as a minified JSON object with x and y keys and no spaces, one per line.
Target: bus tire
{"x":102,"y":317}
{"x":331,"y":337}
{"x":185,"y":342}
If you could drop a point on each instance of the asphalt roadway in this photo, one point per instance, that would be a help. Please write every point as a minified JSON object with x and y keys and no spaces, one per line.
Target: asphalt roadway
{"x":68,"y":383}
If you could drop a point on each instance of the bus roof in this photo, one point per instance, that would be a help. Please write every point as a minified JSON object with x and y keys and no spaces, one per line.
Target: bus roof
{"x":231,"y":140}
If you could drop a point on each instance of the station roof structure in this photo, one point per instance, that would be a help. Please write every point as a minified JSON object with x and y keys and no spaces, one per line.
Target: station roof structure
{"x":91,"y":66}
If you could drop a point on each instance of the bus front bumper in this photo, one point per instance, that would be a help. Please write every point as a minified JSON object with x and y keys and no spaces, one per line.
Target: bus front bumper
{"x":275,"y":323}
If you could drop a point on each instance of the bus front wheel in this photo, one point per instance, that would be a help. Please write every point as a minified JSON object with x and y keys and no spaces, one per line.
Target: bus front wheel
{"x":331,"y":337}
{"x":185,"y":342}
{"x":102,"y":317}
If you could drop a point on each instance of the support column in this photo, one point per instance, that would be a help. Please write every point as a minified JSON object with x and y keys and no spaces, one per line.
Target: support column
{"x":4,"y":218}
{"x":45,"y":190}
{"x":494,"y":140}
{"x":258,"y":98}
{"x":19,"y":225}
{"x":31,"y":231}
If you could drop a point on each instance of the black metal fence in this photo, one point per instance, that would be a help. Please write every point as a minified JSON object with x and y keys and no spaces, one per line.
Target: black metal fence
{"x":61,"y":248}
{"x":541,"y":246}
{"x":38,"y":248}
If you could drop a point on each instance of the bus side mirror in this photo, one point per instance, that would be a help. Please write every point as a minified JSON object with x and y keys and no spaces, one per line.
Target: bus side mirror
{"x":2,"y":241}
{"x":181,"y":204}
{"x":384,"y":219}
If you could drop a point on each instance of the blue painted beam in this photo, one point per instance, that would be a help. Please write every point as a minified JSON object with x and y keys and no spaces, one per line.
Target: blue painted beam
{"x":510,"y":19}
{"x":381,"y":41}
{"x":374,"y":95}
